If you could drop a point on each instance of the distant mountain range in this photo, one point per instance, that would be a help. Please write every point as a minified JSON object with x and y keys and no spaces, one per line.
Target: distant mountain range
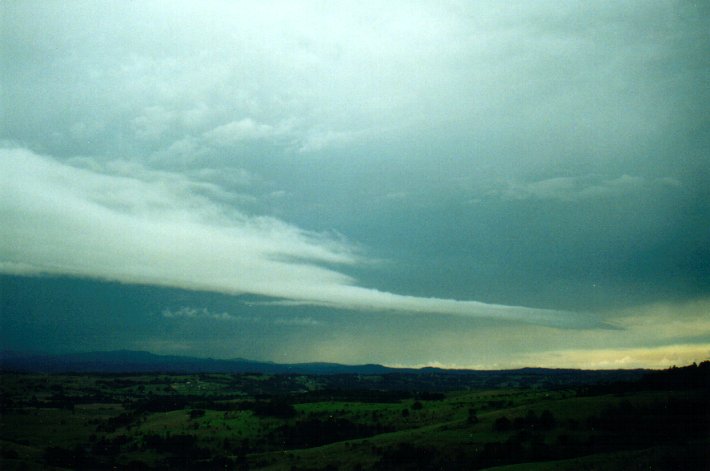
{"x":128,"y":361}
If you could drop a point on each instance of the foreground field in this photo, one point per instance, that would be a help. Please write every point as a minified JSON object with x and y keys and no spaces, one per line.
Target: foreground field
{"x":256,"y":421}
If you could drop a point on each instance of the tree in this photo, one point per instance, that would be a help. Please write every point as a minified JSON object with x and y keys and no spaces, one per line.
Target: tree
{"x":502,"y":424}
{"x":197,"y":413}
{"x":547,"y":420}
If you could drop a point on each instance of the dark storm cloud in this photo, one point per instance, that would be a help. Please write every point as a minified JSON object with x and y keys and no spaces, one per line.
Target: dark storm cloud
{"x":518,"y":154}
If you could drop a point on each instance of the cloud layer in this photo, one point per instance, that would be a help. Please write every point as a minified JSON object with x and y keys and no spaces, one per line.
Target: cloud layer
{"x":322,"y":158}
{"x":75,"y":221}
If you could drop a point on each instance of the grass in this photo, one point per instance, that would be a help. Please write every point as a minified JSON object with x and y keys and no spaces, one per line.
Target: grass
{"x":458,"y":430}
{"x":692,"y":456}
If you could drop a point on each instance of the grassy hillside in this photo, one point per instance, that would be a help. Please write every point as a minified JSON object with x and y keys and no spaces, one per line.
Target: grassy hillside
{"x":257,"y":421}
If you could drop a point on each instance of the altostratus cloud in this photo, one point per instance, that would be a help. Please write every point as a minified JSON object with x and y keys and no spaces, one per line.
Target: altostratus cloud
{"x":66,"y":220}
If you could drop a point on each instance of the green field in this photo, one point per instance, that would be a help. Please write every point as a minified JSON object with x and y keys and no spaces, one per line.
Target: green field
{"x":224,"y":421}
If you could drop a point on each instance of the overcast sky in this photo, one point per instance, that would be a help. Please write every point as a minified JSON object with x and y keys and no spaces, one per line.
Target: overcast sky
{"x":468,"y":184}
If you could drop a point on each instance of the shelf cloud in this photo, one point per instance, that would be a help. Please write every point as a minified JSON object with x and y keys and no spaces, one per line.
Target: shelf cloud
{"x":65,"y":220}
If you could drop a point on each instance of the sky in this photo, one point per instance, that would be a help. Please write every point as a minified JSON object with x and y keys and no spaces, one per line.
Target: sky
{"x":449,"y":183}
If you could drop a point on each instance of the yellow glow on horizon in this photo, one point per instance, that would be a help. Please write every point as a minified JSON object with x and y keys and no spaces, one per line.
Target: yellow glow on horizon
{"x":622,"y":358}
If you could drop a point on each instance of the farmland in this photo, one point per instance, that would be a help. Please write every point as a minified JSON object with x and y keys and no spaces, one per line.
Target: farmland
{"x":389,"y":421}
